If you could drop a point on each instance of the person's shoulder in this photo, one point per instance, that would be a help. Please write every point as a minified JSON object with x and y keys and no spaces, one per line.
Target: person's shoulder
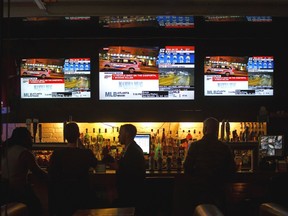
{"x":87,"y":151}
{"x":59,"y":150}
{"x":198,"y":142}
{"x":136,"y":146}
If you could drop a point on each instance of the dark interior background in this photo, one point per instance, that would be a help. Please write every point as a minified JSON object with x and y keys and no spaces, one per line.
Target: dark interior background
{"x":64,"y":39}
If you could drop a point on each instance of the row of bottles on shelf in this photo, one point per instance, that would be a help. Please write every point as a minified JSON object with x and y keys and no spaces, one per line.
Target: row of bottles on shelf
{"x":100,"y":144}
{"x":248,"y":131}
{"x":168,"y":148}
{"x":167,"y":151}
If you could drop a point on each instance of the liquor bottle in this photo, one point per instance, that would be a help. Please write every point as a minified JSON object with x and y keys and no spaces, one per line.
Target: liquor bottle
{"x":158,"y":156}
{"x":99,"y":145}
{"x":160,"y":160}
{"x":170,"y":143}
{"x":158,"y":139}
{"x":222,"y":130}
{"x":164,"y":142}
{"x":199,"y":135}
{"x":152,"y":134}
{"x":194,"y":135}
{"x":169,"y":163}
{"x":227,"y":131}
{"x":241,"y":132}
{"x":189,"y":136}
{"x":114,"y":147}
{"x":163,"y":138}
{"x":86,"y":139}
{"x":189,"y":139}
{"x":179,"y":162}
{"x":99,"y":136}
{"x":246,"y":133}
{"x":93,"y":137}
{"x":157,"y":145}
{"x":151,"y":161}
{"x":252,"y":133}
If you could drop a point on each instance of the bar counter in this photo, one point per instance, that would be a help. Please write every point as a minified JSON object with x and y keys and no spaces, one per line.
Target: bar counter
{"x":164,"y":191}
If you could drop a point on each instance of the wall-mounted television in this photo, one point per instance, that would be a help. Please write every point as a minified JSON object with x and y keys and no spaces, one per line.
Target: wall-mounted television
{"x":147,"y":21}
{"x":238,"y":76}
{"x":271,"y":145}
{"x":257,"y":19}
{"x":146,"y":73}
{"x":143,"y":140}
{"x":55,"y":78}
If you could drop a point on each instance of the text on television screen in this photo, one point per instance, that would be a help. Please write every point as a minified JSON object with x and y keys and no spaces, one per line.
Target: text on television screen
{"x":238,"y":76}
{"x":55,"y":78}
{"x":147,"y":73}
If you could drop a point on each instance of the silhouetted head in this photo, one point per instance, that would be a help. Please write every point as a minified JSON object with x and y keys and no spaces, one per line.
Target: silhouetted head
{"x":211,"y":126}
{"x":127,"y":133}
{"x":21,"y":136}
{"x":72,"y":132}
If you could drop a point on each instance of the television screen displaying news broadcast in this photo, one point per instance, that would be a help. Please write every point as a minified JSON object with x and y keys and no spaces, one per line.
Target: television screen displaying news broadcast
{"x":169,"y":22}
{"x":146,"y":73}
{"x":238,"y":76}
{"x":55,"y":78}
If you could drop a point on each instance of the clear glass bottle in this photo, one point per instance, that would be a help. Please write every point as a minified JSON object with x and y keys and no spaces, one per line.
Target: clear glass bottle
{"x":86,"y":138}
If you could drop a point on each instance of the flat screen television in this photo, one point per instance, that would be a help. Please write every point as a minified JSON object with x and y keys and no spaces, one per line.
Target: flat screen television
{"x":143,"y":140}
{"x":147,"y":73}
{"x":238,"y":76}
{"x":271,"y":145}
{"x":147,"y":21}
{"x":257,"y":19}
{"x":55,"y":78}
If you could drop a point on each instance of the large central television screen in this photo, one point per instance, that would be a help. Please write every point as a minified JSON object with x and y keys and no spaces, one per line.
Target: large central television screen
{"x":170,"y":22}
{"x":146,"y":73}
{"x":55,"y":78}
{"x":238,"y":76}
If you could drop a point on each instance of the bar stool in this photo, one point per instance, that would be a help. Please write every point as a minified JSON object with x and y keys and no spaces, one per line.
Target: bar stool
{"x":272,"y":209}
{"x":14,"y":209}
{"x":207,"y":210}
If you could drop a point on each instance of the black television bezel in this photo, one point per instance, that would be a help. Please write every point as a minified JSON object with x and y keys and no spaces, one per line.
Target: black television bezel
{"x":157,"y":45}
{"x":54,"y":58}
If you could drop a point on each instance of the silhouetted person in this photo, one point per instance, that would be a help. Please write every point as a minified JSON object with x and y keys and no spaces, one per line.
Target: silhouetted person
{"x":69,"y":175}
{"x":17,"y":161}
{"x":131,"y":169}
{"x":210,"y":163}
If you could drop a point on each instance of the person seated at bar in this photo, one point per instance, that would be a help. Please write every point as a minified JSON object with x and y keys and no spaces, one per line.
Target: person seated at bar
{"x":17,"y":161}
{"x":210,"y":164}
{"x":69,"y":175}
{"x":130,"y":171}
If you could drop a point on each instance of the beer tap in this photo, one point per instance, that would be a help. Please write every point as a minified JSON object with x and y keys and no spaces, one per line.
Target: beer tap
{"x":40,"y":133}
{"x":227,"y":131}
{"x":28,"y":125}
{"x":35,"y":125}
{"x":222,"y":130}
